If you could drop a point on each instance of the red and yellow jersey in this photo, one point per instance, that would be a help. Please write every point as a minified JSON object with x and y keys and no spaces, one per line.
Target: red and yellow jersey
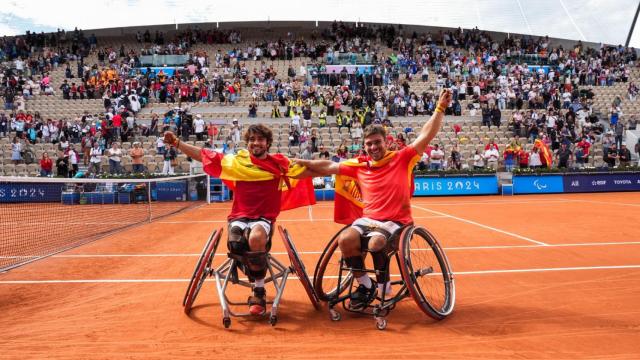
{"x":256,"y":199}
{"x":381,"y":189}
{"x":262,"y":187}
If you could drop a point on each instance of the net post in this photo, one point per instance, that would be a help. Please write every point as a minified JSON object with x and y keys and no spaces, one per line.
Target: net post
{"x":149,"y":199}
{"x":208,"y":189}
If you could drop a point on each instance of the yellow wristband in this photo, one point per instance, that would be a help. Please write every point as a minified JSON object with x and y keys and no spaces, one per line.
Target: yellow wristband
{"x":440,"y":109}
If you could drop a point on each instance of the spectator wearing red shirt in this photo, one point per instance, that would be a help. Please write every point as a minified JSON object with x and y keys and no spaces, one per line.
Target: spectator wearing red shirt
{"x":116,"y":122}
{"x":582,"y":151}
{"x":457,"y":128}
{"x":389,"y":140}
{"x":213,"y":132}
{"x":74,"y":91}
{"x":523,"y":159}
{"x":104,"y":128}
{"x":46,"y":165}
{"x":491,"y":145}
{"x":401,"y":143}
{"x":156,"y":89}
{"x":184,"y":92}
{"x":170,"y":92}
{"x":232,"y":93}
{"x":204,"y":97}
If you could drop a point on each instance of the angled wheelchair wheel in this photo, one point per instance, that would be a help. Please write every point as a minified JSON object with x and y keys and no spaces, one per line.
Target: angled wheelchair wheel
{"x":426,"y":272}
{"x":298,"y":266}
{"x":202,"y":270}
{"x":325,"y":276}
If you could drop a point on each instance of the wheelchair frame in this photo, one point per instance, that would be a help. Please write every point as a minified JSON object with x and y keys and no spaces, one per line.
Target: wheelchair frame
{"x":384,"y":305}
{"x":227,"y":272}
{"x":378,"y":311}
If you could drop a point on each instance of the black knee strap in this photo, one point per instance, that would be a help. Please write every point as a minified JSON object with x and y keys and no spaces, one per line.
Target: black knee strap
{"x":355,"y":262}
{"x":237,"y":243}
{"x":257,"y":264}
{"x":381,"y":264}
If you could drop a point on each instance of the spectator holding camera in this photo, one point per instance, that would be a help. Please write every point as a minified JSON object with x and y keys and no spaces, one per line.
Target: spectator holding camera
{"x":624,"y":155}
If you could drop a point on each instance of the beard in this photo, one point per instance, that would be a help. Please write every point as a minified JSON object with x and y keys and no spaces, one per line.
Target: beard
{"x":258,"y":152}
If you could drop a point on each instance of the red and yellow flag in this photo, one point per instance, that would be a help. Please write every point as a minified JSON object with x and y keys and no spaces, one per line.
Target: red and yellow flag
{"x":545,"y":153}
{"x":245,"y":167}
{"x":348,"y":200}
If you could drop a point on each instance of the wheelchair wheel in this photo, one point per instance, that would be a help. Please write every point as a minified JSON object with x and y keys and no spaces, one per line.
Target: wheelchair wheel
{"x":325,"y":276}
{"x":202,"y":270}
{"x":298,"y":267}
{"x":426,"y":272}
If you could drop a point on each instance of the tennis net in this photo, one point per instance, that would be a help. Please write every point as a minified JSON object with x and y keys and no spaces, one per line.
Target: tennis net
{"x":40,"y":217}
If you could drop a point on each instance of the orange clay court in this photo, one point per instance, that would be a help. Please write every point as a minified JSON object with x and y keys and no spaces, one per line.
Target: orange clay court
{"x":542,"y":276}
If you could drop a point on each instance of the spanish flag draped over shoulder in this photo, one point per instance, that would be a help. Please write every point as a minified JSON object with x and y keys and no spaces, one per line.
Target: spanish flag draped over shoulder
{"x":348,"y":201}
{"x":545,"y":154}
{"x":245,"y":167}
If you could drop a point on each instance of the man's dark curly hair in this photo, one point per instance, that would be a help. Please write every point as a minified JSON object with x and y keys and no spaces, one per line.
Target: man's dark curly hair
{"x":261,"y":130}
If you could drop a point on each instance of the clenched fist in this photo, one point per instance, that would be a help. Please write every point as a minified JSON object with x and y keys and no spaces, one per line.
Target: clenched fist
{"x":445,"y":98}
{"x":170,"y":138}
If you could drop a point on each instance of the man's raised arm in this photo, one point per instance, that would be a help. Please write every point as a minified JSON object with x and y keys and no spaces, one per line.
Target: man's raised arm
{"x":431,"y":127}
{"x":188,"y":149}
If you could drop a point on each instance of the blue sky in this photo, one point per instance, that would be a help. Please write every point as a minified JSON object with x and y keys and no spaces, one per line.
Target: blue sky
{"x":588,"y":20}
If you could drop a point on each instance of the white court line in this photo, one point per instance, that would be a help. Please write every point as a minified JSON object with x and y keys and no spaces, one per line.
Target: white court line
{"x":497,"y":202}
{"x":279,"y":220}
{"x":482,"y":226}
{"x":455,"y":248}
{"x":96,"y":281}
{"x":79,"y":223}
{"x":425,"y":201}
{"x":480,"y":272}
{"x":490,"y":247}
{"x":602,"y":202}
{"x":576,"y":268}
{"x":188,"y":221}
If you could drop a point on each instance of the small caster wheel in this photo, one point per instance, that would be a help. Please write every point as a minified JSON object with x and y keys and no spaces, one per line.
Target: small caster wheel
{"x":273,"y":320}
{"x":226,"y":322}
{"x":381,"y":324}
{"x":335,"y":316}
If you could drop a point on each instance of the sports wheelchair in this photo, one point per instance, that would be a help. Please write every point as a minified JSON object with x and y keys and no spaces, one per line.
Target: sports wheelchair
{"x":425,"y":276}
{"x":227,"y":272}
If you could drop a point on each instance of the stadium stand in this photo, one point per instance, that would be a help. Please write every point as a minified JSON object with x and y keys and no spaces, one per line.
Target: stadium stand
{"x":65,"y":90}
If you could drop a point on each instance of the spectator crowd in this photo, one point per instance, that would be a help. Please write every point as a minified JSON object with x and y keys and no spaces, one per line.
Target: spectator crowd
{"x":546,"y":92}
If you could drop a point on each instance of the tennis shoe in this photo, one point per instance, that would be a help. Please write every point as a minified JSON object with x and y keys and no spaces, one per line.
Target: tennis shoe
{"x":362,"y":297}
{"x":258,"y":301}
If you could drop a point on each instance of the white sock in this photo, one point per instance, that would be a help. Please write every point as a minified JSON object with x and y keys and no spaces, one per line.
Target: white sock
{"x":382,"y":286}
{"x":259,"y":283}
{"x":365,"y":280}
